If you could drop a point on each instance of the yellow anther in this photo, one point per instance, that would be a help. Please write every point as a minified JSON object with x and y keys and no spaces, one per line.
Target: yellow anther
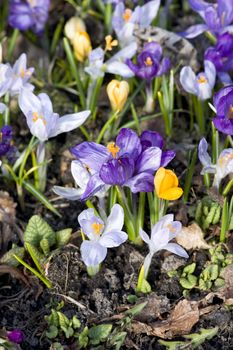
{"x":127,"y":15}
{"x":97,"y":227}
{"x":110,"y":43}
{"x":230,"y":112}
{"x":36,"y":117}
{"x":202,"y":79}
{"x":171,"y":228}
{"x":113,"y":149}
{"x":148,"y":61}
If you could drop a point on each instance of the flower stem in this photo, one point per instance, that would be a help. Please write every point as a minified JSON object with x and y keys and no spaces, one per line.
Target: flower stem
{"x":93,"y":270}
{"x":189,"y":176}
{"x":224,"y":221}
{"x":215,"y":144}
{"x":129,"y":220}
{"x":141,"y":211}
{"x":106,"y":126}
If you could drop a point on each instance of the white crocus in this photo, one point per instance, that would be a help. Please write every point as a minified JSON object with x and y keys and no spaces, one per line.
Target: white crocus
{"x":42,"y":121}
{"x":162,"y":233}
{"x":200,"y":85}
{"x":221,"y":169}
{"x":81,"y":177}
{"x":101,"y":235}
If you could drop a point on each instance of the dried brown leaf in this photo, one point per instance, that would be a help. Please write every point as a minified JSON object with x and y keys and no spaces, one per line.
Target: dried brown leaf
{"x":192,"y":237}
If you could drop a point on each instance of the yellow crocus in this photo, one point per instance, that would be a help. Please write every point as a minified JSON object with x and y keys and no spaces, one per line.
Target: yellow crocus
{"x":117,"y":93}
{"x":73,"y":26}
{"x":166,"y":185}
{"x":110,"y":43}
{"x":82,"y":45}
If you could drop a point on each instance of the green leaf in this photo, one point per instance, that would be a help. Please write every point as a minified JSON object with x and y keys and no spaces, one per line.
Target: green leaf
{"x":38,"y":229}
{"x":75,"y":322}
{"x":118,"y":340}
{"x":40,"y":196}
{"x":219,"y":282}
{"x":45,"y":246}
{"x":136,"y":309}
{"x":132,"y":298}
{"x":63,"y":320}
{"x":199,"y":338}
{"x":9,"y":258}
{"x":189,"y":282}
{"x":83,"y":338}
{"x":189,"y":269}
{"x":52,"y":332}
{"x":69,"y":332}
{"x":36,"y":256}
{"x":99,"y":333}
{"x":214,"y":272}
{"x":171,"y":345}
{"x":62,"y":237}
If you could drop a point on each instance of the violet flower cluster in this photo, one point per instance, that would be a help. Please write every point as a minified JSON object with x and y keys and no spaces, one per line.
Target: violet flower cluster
{"x":29,"y":14}
{"x":150,"y":62}
{"x":6,"y":147}
{"x":223,"y":103}
{"x":130,"y":161}
{"x":218,"y":17}
{"x":221,"y":55}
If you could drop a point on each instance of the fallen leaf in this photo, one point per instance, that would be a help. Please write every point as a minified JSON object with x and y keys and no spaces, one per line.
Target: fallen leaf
{"x":184,"y":316}
{"x":156,"y":305}
{"x":192,"y":237}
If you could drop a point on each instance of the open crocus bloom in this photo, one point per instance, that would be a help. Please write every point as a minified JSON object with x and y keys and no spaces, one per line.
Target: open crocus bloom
{"x":115,"y":65}
{"x":200,"y":85}
{"x":29,"y":14}
{"x":42,"y":121}
{"x":223,"y":103}
{"x":101,"y":235}
{"x":124,"y":19}
{"x":162,"y":233}
{"x":13,"y":79}
{"x":222,"y":168}
{"x":130,"y":161}
{"x":149,"y":62}
{"x":81,"y":175}
{"x":218,"y":17}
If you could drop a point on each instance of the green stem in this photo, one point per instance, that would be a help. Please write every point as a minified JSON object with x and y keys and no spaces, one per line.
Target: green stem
{"x":106,"y":126}
{"x":26,"y":155}
{"x":129,"y":221}
{"x":135,"y":117}
{"x":151,"y":208}
{"x":141,"y":211}
{"x":94,"y":96}
{"x":215,"y":144}
{"x":12,"y":44}
{"x":189,"y":176}
{"x":224,"y":221}
{"x":74,"y":71}
{"x":199,"y":113}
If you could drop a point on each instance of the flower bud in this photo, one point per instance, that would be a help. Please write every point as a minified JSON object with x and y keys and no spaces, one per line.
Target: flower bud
{"x":117,"y":93}
{"x":73,"y":26}
{"x":166,"y":185}
{"x":82,"y":45}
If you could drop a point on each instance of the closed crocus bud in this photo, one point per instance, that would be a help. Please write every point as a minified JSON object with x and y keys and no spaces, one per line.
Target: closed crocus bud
{"x":166,"y":185}
{"x":117,"y":93}
{"x":73,"y":26}
{"x":82,"y":45}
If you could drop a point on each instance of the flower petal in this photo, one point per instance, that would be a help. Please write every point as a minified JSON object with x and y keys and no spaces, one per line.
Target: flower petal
{"x":176,"y":249}
{"x":92,"y":253}
{"x":194,"y":31}
{"x":142,"y":182}
{"x":129,"y":143}
{"x":72,"y":194}
{"x":115,"y":220}
{"x":172,"y":194}
{"x":144,"y":236}
{"x":188,"y":80}
{"x":117,"y":171}
{"x":113,"y":239}
{"x":70,"y":122}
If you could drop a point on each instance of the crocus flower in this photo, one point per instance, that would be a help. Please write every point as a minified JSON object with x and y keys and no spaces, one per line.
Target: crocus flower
{"x":42,"y":121}
{"x":162,"y":233}
{"x":6,"y":147}
{"x":221,"y":55}
{"x":221,"y":169}
{"x":117,"y":93}
{"x":201,"y":84}
{"x":223,"y":103}
{"x":150,"y":62}
{"x":129,"y":161}
{"x":29,"y":14}
{"x":166,"y":185}
{"x":101,"y":235}
{"x":82,"y":45}
{"x":218,"y":17}
{"x":13,"y":79}
{"x":73,"y":25}
{"x":115,"y":65}
{"x":15,"y":336}
{"x":81,"y":175}
{"x":124,"y":19}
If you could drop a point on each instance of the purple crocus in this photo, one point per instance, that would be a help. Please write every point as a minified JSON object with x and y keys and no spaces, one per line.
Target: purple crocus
{"x":29,"y":14}
{"x":218,"y":17}
{"x":223,"y":103}
{"x":221,"y":55}
{"x":150,"y":62}
{"x":130,"y":161}
{"x":6,"y":149}
{"x":15,"y":336}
